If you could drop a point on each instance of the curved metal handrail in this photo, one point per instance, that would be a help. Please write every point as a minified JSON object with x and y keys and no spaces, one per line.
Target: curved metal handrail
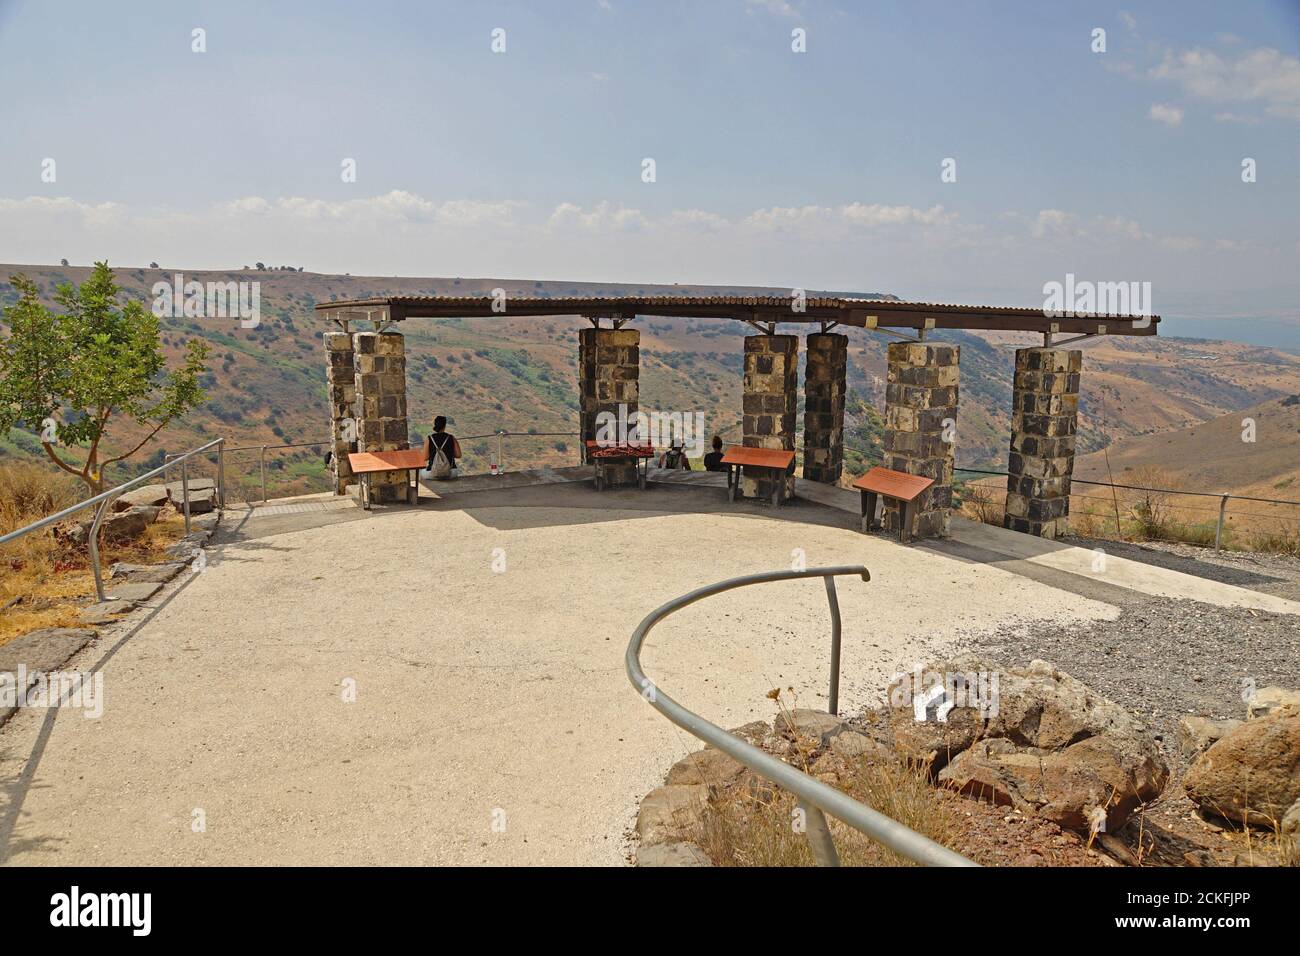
{"x":814,"y":797}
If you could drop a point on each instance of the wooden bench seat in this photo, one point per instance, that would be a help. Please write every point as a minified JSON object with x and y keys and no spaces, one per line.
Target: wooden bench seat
{"x":602,"y":456}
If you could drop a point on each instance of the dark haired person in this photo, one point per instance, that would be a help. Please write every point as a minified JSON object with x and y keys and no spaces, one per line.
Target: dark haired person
{"x":441,"y":450}
{"x":713,"y":460}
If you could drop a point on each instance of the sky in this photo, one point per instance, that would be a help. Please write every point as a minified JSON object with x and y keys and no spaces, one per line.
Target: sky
{"x":511,"y":140}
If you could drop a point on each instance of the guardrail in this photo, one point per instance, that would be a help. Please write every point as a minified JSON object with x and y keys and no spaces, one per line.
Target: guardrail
{"x":105,"y":498}
{"x":815,"y":798}
{"x":1223,"y":499}
{"x":263,"y":449}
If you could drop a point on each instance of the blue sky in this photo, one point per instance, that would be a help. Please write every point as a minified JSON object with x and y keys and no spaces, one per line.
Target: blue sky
{"x":818,"y":169}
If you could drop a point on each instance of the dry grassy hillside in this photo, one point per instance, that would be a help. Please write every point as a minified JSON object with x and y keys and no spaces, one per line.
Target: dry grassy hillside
{"x":267,"y":385}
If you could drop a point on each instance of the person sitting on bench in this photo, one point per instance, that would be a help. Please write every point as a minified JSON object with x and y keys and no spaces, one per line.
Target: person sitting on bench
{"x":675,"y":456}
{"x":713,"y":460}
{"x":441,"y":450}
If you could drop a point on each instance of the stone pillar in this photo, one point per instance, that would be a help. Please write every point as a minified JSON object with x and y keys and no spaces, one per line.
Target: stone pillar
{"x":609,"y":376}
{"x":1044,"y":418}
{"x":770,"y":402}
{"x":381,"y":405}
{"x":340,"y":378}
{"x":920,"y":425}
{"x":823,"y":417}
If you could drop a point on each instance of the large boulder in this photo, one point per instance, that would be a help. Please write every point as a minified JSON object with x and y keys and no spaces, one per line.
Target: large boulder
{"x":1252,"y":775}
{"x":151,"y":495}
{"x":121,"y":526}
{"x":1198,"y":734}
{"x":1029,"y":737}
{"x":1268,"y":699}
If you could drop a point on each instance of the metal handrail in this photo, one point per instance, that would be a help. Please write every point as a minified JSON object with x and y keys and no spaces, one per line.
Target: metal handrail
{"x":105,"y":498}
{"x":1222,"y":498}
{"x":814,"y":797}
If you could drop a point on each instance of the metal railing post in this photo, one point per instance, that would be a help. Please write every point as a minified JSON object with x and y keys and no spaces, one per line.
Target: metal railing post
{"x":1218,"y":529}
{"x":834,"y":601}
{"x":94,"y":550}
{"x":501,"y":465}
{"x":221,"y":475}
{"x":185,"y":491}
{"x":819,"y":835}
{"x":262,"y":457}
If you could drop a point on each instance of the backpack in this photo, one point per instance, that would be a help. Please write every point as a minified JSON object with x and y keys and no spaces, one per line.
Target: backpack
{"x":439,"y":465}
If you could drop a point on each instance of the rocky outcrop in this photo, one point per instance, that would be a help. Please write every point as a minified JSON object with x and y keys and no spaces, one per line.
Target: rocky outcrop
{"x":1268,"y":699}
{"x":148,"y":495}
{"x":1197,"y":734}
{"x":1030,"y":737}
{"x":1252,"y":774}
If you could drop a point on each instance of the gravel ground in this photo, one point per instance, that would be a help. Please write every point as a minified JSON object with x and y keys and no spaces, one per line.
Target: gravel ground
{"x":1277,"y":574}
{"x":1163,"y":658}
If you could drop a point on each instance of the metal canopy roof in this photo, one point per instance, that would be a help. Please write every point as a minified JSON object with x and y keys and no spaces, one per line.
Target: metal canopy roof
{"x":862,"y":313}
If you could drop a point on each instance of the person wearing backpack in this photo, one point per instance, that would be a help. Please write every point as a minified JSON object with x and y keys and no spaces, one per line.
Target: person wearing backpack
{"x":441,"y":450}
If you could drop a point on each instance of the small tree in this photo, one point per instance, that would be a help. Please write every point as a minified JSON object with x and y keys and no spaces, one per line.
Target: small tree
{"x":69,"y":375}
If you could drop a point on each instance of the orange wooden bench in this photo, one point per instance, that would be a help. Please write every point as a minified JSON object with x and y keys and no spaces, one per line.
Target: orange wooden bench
{"x":898,"y":485}
{"x":739,"y":457}
{"x":602,"y":456}
{"x":367,"y":463}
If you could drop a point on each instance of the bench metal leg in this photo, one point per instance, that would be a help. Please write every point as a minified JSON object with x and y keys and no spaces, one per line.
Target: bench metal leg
{"x":413,"y":487}
{"x":733,"y":482}
{"x":365,"y":492}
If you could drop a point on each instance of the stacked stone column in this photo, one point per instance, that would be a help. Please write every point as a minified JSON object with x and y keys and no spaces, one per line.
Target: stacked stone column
{"x":340,"y":378}
{"x":823,"y":418}
{"x":609,"y":376}
{"x":1043,"y":424}
{"x":380,"y":359}
{"x":770,"y":404}
{"x":920,"y":428}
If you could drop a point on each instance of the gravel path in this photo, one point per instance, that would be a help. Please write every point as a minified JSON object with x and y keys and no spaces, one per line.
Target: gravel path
{"x":1277,"y":574}
{"x":1163,"y":658}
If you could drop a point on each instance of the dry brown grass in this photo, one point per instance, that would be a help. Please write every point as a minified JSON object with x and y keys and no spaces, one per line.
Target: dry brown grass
{"x":44,"y":583}
{"x":756,"y":826}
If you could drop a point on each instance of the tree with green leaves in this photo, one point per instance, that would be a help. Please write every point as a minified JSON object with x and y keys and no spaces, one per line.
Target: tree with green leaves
{"x":71,"y":373}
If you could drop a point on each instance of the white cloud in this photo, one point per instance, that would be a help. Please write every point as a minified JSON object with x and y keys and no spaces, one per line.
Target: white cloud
{"x":778,"y":8}
{"x":1262,"y":76}
{"x":1129,"y":21}
{"x":1164,"y":113}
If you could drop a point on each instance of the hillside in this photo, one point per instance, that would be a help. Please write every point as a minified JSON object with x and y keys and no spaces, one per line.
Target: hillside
{"x":1211,"y":456}
{"x":267,"y":385}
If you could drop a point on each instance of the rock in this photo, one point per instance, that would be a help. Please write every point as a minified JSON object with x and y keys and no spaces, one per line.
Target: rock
{"x":106,"y":612}
{"x":851,"y":745}
{"x":1268,"y":699}
{"x":1197,"y":734}
{"x":149,"y":512}
{"x":201,"y":502}
{"x":147,"y":573}
{"x":148,"y":495}
{"x":1252,"y":774}
{"x":1291,"y":820}
{"x":40,"y":651}
{"x":672,"y":854}
{"x":708,"y":766}
{"x":133,"y":591}
{"x":176,"y":488}
{"x":1029,"y":737}
{"x":1063,"y":786}
{"x":753,"y":732}
{"x":115,"y":527}
{"x":809,"y":724}
{"x":121,"y":526}
{"x":671,"y":813}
